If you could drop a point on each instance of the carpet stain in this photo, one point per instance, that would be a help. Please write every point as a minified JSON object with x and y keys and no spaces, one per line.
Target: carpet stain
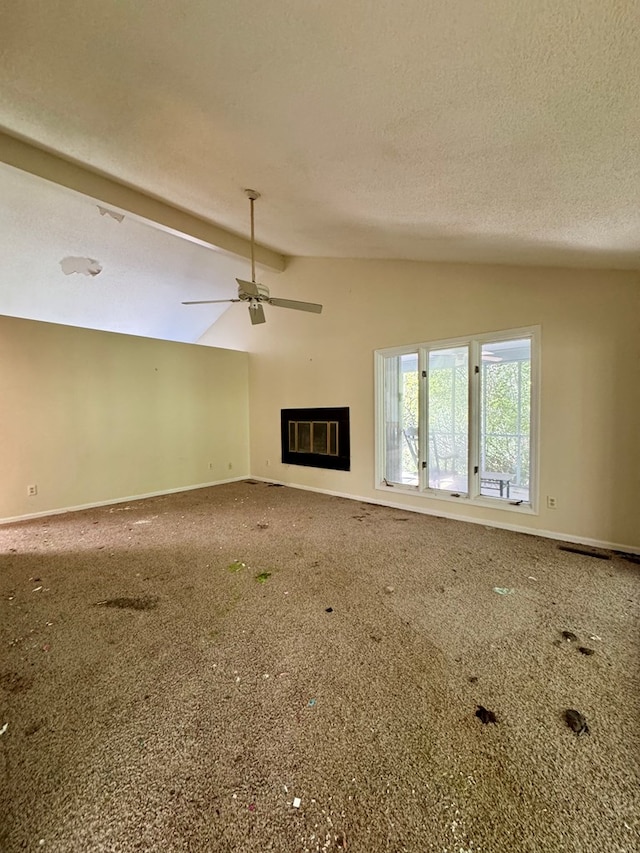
{"x":13,"y":682}
{"x":144,"y":603}
{"x":485,"y":715}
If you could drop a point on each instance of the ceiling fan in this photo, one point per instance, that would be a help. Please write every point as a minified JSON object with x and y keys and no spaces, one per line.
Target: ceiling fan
{"x":255,"y":294}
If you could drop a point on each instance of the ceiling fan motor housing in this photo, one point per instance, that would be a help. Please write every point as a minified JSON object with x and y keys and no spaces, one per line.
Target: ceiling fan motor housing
{"x":247,"y":290}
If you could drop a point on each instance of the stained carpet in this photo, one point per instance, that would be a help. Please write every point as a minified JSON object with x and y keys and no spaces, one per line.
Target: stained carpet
{"x":253,"y":668}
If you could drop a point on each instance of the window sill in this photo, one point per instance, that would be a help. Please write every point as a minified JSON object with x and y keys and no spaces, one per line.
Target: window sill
{"x":503,"y":504}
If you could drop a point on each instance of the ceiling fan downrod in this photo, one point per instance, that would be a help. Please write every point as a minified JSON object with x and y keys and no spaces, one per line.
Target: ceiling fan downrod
{"x":254,"y":294}
{"x":252,"y":195}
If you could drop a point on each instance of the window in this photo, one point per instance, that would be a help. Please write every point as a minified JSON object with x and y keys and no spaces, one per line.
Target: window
{"x":456,"y":419}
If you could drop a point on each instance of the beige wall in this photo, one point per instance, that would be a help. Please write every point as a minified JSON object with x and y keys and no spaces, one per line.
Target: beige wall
{"x":590,"y":391}
{"x":93,"y":416}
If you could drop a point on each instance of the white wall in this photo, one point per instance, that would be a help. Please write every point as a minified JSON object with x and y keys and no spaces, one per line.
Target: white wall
{"x":590,"y":385}
{"x":91,"y":417}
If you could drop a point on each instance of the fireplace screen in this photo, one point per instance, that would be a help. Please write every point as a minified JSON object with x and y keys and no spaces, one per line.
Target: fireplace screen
{"x":316,"y":437}
{"x":313,"y":437}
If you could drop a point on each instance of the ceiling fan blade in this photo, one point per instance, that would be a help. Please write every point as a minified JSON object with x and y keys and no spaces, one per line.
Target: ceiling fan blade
{"x":248,"y":287}
{"x":312,"y":307}
{"x":210,"y":301}
{"x":256,"y":312}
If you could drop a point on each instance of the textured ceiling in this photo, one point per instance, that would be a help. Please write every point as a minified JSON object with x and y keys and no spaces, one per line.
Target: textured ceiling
{"x":141,"y":274}
{"x":497,"y":131}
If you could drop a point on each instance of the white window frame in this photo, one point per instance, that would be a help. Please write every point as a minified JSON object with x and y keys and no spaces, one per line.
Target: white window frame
{"x":474,"y":342}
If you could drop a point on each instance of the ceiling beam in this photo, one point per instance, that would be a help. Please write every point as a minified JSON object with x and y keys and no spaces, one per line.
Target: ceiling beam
{"x":24,"y":155}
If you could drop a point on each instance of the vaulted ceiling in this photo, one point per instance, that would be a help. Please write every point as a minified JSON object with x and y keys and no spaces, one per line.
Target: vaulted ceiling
{"x":64,"y":259}
{"x":495,"y":132}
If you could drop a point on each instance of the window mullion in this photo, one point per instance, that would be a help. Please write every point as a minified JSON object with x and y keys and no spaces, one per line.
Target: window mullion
{"x":474,"y":419}
{"x":423,"y":418}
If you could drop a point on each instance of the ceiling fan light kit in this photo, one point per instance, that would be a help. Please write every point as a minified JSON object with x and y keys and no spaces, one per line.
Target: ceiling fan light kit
{"x":255,"y":294}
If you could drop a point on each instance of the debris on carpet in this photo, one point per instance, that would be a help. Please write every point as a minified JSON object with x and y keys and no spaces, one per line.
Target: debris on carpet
{"x":585,"y":552}
{"x":485,"y":715}
{"x":569,"y":636}
{"x":4,"y":728}
{"x":502,"y":590}
{"x":576,"y":722}
{"x":296,"y":802}
{"x":263,"y":577}
{"x":236,"y":566}
{"x":584,"y":650}
{"x":631,"y":558}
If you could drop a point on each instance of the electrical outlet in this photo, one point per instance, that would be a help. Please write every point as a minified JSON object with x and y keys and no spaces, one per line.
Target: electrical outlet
{"x":211,"y":466}
{"x":32,"y":491}
{"x":551,"y":502}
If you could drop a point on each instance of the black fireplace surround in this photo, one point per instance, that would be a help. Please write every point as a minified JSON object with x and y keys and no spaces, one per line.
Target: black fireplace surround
{"x":317,"y":438}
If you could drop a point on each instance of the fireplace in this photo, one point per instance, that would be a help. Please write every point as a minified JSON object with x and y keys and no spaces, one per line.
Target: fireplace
{"x":317,"y":438}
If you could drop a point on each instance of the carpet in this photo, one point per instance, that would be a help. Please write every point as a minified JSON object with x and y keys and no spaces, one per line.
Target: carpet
{"x":257,"y":668}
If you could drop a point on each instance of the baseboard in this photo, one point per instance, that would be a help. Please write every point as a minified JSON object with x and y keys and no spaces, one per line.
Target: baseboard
{"x":516,"y":528}
{"x":111,"y":501}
